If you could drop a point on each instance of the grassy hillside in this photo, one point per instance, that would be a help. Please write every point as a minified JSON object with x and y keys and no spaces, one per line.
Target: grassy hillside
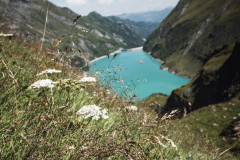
{"x":43,"y":123}
{"x":73,"y":119}
{"x":218,"y":81}
{"x":185,"y":39}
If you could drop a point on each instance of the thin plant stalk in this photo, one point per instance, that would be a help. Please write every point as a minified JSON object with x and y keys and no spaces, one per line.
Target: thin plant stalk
{"x":52,"y":97}
{"x":45,"y":27}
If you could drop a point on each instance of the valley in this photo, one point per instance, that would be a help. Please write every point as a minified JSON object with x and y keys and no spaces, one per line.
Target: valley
{"x":72,"y":115}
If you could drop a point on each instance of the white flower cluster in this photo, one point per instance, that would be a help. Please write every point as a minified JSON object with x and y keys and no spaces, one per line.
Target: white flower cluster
{"x":49,"y":71}
{"x":92,"y":111}
{"x":88,"y":79}
{"x":71,"y":147}
{"x":132,"y":108}
{"x":43,"y":83}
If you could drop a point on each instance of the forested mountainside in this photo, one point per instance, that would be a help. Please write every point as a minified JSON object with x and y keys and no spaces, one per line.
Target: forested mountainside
{"x":94,"y":38}
{"x":186,"y":39}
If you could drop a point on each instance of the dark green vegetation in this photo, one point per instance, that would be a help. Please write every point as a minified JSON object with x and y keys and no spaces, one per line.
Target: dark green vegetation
{"x":217,"y":85}
{"x":151,"y":16}
{"x":217,"y":81}
{"x":42,"y":123}
{"x":155,"y":102}
{"x":188,"y":36}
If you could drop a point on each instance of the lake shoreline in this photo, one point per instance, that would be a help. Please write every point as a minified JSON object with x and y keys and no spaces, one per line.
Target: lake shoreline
{"x":116,"y":51}
{"x":157,"y":59}
{"x":96,"y":59}
{"x":167,"y":69}
{"x":141,"y":48}
{"x":134,"y":49}
{"x":140,"y":74}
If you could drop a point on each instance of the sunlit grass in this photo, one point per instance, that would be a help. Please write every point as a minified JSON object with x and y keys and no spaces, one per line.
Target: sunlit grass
{"x":42,"y":123}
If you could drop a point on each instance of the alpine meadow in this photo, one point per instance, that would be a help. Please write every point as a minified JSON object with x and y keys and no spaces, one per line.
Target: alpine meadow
{"x":57,"y":103}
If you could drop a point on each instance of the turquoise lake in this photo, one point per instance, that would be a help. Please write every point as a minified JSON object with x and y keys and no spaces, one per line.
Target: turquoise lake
{"x":135,"y":75}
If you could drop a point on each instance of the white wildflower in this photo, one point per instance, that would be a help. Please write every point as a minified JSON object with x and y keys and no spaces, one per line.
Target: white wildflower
{"x":43,"y":83}
{"x":84,"y":148}
{"x":108,"y":92}
{"x":71,"y":147}
{"x":92,"y":111}
{"x":104,"y":112}
{"x":132,"y":108}
{"x":81,"y":90}
{"x":49,"y":71}
{"x":88,"y":79}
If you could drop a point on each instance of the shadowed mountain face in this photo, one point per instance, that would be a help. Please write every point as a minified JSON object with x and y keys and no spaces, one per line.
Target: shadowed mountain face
{"x":190,"y":33}
{"x":217,"y":81}
{"x":94,"y":35}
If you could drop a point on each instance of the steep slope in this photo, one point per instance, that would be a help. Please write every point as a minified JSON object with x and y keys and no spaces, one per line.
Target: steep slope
{"x":143,"y":29}
{"x":218,"y":81}
{"x":185,"y":39}
{"x":44,"y":123}
{"x":129,"y":36}
{"x":94,"y":36}
{"x":151,"y":16}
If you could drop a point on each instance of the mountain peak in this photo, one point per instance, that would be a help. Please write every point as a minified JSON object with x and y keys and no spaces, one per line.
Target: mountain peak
{"x":94,"y":13}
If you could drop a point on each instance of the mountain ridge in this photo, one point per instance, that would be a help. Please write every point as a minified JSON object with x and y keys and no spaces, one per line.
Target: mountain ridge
{"x":192,"y":31}
{"x":144,"y":29}
{"x":149,"y":16}
{"x":94,"y":39}
{"x":201,"y":41}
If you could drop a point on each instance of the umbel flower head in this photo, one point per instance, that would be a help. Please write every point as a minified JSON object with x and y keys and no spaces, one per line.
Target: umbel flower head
{"x":92,"y":111}
{"x":43,"y":83}
{"x":88,"y":79}
{"x":49,"y":71}
{"x":132,"y":108}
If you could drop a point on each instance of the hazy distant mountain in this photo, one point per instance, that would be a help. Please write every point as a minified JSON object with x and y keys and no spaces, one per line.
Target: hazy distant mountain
{"x":143,"y":29}
{"x":151,"y":16}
